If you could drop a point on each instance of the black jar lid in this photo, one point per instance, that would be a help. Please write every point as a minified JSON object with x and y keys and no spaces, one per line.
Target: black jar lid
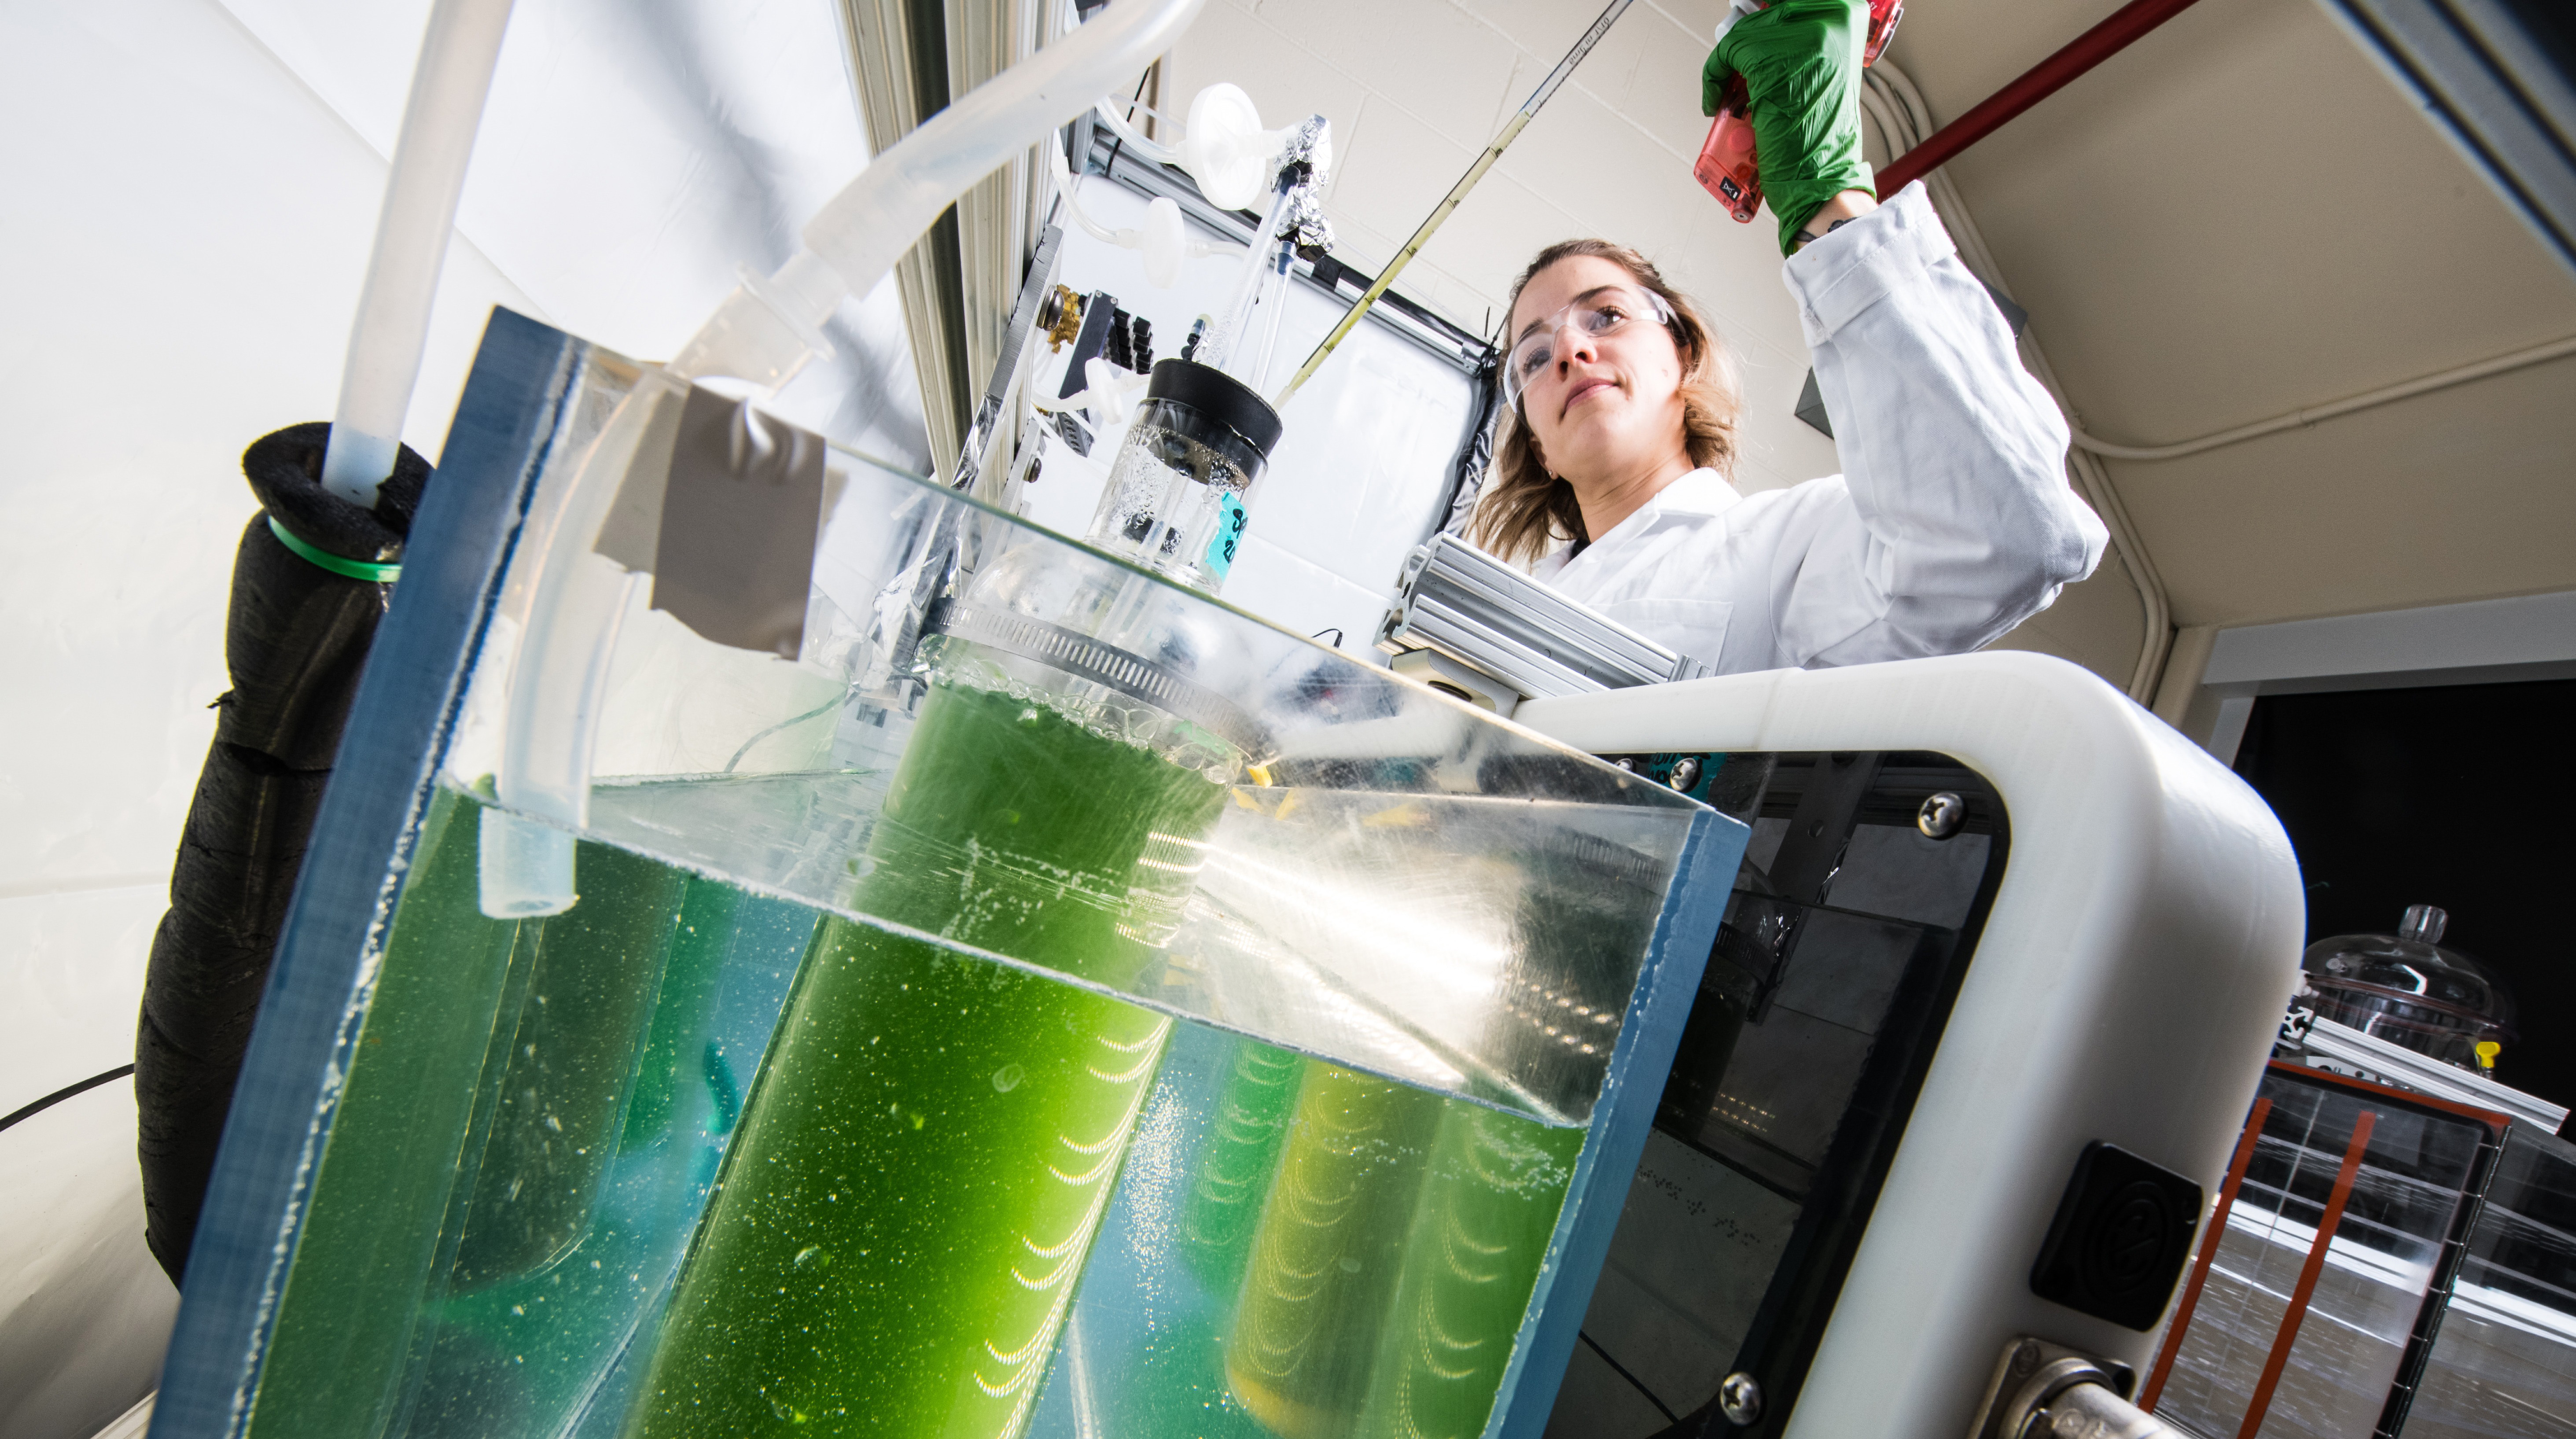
{"x":1219,"y":396}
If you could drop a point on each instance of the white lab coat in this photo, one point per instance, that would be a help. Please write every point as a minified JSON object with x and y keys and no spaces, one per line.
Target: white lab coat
{"x":1952,"y":523}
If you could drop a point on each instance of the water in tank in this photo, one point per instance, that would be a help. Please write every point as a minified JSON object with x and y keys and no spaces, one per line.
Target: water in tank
{"x":779,"y":991}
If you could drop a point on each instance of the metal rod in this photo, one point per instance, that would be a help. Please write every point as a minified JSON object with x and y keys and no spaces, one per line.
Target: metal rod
{"x":1449,"y":203}
{"x":2208,"y":1252}
{"x":2036,"y":84}
{"x":2297,"y":1312}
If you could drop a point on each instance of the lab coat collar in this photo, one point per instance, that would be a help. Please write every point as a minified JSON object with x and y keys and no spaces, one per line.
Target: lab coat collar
{"x":1699,"y":495}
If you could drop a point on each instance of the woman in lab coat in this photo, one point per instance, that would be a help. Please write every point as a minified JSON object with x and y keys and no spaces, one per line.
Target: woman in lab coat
{"x":1953,"y":520}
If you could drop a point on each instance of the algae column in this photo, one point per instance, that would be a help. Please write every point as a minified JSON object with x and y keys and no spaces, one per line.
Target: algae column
{"x":1394,"y":1261}
{"x":933,"y":1140}
{"x":480,"y":1116}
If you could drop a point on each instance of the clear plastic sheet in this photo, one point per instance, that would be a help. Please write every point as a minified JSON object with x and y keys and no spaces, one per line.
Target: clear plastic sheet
{"x":2505,"y":1362}
{"x":2380,"y":1264}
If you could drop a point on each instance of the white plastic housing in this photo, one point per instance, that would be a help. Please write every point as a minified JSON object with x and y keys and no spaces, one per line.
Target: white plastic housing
{"x":2132,"y":973}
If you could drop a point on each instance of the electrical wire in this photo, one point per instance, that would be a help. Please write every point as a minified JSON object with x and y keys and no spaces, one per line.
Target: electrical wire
{"x":2369,"y":399}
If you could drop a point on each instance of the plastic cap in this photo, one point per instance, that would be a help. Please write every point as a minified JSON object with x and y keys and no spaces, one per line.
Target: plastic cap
{"x":1165,"y":240}
{"x":1219,"y":396}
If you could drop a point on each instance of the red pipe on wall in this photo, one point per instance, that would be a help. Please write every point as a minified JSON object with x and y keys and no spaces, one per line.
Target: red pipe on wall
{"x":2041,"y":81}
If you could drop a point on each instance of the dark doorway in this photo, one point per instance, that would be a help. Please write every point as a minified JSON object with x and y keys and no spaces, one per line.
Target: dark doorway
{"x":2442,"y":796}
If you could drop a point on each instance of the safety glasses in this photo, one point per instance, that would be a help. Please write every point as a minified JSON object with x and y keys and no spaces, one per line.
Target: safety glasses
{"x":1595,"y":314}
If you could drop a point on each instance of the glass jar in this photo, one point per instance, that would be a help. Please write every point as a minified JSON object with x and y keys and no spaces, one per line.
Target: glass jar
{"x":2407,"y":989}
{"x":1176,"y":495}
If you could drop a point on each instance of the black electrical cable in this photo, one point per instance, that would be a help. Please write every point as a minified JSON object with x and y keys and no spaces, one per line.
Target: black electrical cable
{"x":1119,"y":144}
{"x":68,"y":1091}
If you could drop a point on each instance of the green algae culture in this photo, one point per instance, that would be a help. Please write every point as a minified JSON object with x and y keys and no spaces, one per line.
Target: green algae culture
{"x":474,"y":1144}
{"x":525,"y":1352}
{"x":1394,"y":1261}
{"x":926,"y":1156}
{"x":1232,"y":1175}
{"x":1480,"y":1236}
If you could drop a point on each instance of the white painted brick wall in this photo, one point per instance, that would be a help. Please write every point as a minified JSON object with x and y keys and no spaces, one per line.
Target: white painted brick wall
{"x":1415,"y":88}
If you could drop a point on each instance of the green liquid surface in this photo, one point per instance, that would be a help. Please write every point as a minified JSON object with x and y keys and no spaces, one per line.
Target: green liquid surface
{"x":933,"y":1141}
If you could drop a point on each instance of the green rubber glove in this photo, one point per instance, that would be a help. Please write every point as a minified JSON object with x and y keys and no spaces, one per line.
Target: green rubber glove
{"x":1800,"y":61}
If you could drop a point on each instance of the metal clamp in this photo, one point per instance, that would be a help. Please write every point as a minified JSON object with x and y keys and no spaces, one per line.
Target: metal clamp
{"x":2047,"y":1391}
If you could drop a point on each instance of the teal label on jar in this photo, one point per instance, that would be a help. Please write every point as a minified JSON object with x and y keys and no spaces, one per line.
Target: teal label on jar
{"x":1230,"y":520}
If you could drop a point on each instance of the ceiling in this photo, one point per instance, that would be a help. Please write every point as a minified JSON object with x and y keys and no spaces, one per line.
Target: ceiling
{"x":2240,"y":217}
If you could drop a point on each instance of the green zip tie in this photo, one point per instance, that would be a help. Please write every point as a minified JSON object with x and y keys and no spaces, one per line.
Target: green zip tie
{"x":355,"y":569}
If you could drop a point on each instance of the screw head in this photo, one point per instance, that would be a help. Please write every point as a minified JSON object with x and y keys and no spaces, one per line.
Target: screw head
{"x":1740,"y":1398}
{"x":1685,"y":772}
{"x":2025,"y":1359}
{"x":1941,"y":816}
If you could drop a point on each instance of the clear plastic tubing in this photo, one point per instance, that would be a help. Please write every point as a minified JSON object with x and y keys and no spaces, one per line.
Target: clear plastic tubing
{"x":1220,"y":347}
{"x":1254,"y":369}
{"x":457,"y":54}
{"x":762,"y":332}
{"x":766,"y":329}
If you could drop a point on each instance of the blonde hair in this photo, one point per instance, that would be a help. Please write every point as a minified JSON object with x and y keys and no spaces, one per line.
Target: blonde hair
{"x":1524,"y":508}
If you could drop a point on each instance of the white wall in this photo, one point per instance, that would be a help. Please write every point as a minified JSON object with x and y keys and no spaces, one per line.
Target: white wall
{"x":1414,"y":91}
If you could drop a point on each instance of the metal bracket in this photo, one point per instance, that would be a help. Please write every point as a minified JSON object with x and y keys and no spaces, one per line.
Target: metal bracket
{"x":1484,"y":614}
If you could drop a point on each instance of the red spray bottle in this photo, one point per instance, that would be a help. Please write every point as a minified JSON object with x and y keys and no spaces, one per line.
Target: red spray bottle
{"x":1726,"y":166}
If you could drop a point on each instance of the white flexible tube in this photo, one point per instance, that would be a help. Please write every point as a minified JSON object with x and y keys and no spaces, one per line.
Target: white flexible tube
{"x":457,"y":54}
{"x":1164,"y":241}
{"x":762,"y":332}
{"x":1133,"y":138}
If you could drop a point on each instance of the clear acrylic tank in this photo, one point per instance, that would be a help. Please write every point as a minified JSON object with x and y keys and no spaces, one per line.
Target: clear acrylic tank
{"x":734,"y":994}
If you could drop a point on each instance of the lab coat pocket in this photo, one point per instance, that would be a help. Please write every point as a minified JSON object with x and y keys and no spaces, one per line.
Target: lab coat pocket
{"x":1697,"y":628}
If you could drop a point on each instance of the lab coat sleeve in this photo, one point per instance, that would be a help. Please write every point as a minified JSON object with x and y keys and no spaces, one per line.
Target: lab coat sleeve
{"x":1953,"y":521}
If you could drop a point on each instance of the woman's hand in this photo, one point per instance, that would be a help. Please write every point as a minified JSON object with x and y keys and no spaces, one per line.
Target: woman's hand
{"x":1800,"y":61}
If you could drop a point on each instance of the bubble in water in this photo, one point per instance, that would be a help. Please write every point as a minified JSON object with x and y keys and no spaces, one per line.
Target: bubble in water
{"x":1007,"y":1078}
